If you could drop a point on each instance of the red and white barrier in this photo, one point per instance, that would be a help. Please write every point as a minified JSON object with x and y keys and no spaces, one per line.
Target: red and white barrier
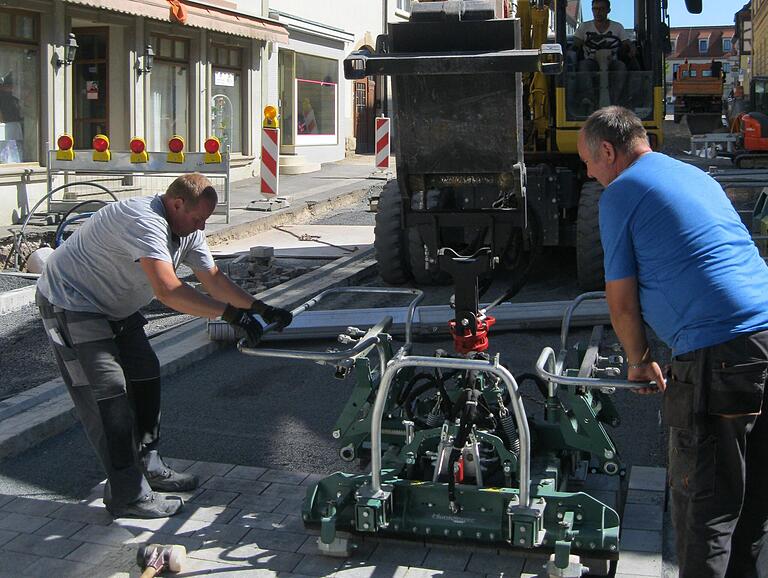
{"x":382,"y":143}
{"x":270,"y":166}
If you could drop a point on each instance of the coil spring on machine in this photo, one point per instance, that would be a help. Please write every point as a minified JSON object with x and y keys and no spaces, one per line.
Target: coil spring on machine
{"x":509,"y":427}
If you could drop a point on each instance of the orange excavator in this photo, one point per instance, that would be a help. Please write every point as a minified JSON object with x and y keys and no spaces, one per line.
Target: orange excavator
{"x":752,"y":128}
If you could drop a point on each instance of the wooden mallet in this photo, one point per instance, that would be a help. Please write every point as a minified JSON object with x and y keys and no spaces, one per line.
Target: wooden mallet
{"x":154,"y":558}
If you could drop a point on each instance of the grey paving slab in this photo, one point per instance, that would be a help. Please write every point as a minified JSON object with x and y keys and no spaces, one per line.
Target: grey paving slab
{"x":83,"y":513}
{"x":246,"y":472}
{"x":41,"y":545}
{"x":645,"y":497}
{"x":31,"y":507}
{"x":22,"y":522}
{"x":249,"y":554}
{"x":290,"y":505}
{"x":641,"y":541}
{"x":284,"y":490}
{"x":218,"y":514}
{"x":113,"y":535}
{"x":445,"y":558}
{"x":399,"y":553}
{"x":231,"y":484}
{"x":274,"y":540}
{"x":496,"y":564}
{"x":312,"y":479}
{"x":643,"y":517}
{"x":430,"y":573}
{"x":257,"y":503}
{"x":213,"y":498}
{"x":262,"y":520}
{"x":370,"y":571}
{"x":212,"y":532}
{"x":284,"y":477}
{"x":90,"y":553}
{"x":647,"y":478}
{"x":14,"y":564}
{"x":7,"y":536}
{"x":640,"y":563}
{"x":179,"y":464}
{"x":316,"y":565}
{"x":60,"y":568}
{"x":359,"y":550}
{"x":607,"y":497}
{"x":293,"y":523}
{"x":148,"y":537}
{"x":5,"y":499}
{"x":60,"y":529}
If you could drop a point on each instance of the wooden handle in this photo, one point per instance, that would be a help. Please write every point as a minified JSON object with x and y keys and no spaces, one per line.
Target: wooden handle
{"x":149,"y":573}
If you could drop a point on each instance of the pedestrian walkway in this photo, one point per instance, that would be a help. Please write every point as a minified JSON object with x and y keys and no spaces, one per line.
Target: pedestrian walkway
{"x":246,"y":521}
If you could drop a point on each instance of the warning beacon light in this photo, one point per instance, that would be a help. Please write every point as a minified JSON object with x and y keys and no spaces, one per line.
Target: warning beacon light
{"x":270,"y":117}
{"x":176,"y":148}
{"x":100,"y":146}
{"x":65,"y":150}
{"x":212,"y":152}
{"x":138,"y":150}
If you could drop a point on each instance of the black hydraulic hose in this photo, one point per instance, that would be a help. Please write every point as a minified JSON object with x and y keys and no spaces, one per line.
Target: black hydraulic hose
{"x":64,"y":220}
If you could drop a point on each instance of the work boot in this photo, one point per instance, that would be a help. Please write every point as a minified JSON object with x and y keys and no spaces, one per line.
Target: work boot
{"x":152,"y":505}
{"x":169,"y":480}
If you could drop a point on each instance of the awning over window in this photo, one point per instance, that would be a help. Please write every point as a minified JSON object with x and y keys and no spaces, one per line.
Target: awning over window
{"x":199,"y":16}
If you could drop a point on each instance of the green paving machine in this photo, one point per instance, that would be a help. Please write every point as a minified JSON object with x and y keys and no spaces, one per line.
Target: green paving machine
{"x":454,"y":455}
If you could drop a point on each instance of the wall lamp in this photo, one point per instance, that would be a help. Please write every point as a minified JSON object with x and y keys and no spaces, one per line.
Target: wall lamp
{"x":149,"y":60}
{"x":70,"y":51}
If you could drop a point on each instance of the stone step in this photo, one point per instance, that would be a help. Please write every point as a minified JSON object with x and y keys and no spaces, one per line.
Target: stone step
{"x":296,"y":165}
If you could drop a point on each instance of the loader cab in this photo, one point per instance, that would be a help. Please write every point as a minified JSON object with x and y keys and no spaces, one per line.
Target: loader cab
{"x":758,"y":94}
{"x":603,"y":70}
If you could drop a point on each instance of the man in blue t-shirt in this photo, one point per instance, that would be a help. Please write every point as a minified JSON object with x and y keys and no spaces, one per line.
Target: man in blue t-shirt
{"x":678,"y":257}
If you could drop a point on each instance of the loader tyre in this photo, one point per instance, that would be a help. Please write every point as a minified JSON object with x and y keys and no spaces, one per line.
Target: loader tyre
{"x":389,"y":237}
{"x":589,"y":251}
{"x":423,"y":276}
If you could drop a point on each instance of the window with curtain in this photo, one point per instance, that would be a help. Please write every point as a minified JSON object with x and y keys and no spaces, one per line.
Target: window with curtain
{"x":316,"y":99}
{"x":226,"y":99}
{"x":19,"y":87}
{"x":168,"y":91}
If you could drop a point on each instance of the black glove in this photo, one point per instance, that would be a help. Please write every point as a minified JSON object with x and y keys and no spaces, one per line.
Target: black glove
{"x":244,"y":319}
{"x":280,"y":317}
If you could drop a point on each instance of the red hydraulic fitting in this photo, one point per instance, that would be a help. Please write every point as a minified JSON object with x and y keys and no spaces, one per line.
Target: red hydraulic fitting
{"x":467,"y":342}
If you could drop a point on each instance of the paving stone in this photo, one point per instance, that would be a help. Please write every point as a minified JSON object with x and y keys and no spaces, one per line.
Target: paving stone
{"x":429,"y":573}
{"x":284,"y":477}
{"x":643,"y":517}
{"x":218,"y":514}
{"x":262,"y":520}
{"x":599,"y":482}
{"x":22,"y":522}
{"x":641,"y":541}
{"x":31,"y":507}
{"x":497,"y":565}
{"x":535,"y":566}
{"x":90,"y":553}
{"x":14,"y":564}
{"x":178,"y":464}
{"x":249,"y":554}
{"x":403,"y":554}
{"x":645,"y":497}
{"x":210,"y":532}
{"x":4,"y":499}
{"x":41,"y":545}
{"x":113,"y":535}
{"x":256,"y":503}
{"x":312,"y":479}
{"x":647,"y":478}
{"x":205,"y":470}
{"x":83,"y":513}
{"x":7,"y":536}
{"x":213,"y":498}
{"x":59,"y":568}
{"x":271,"y":539}
{"x":370,"y":571}
{"x":295,"y":524}
{"x":358,"y":550}
{"x":316,"y":565}
{"x":59,"y":528}
{"x":246,"y":472}
{"x":288,"y":491}
{"x":640,"y":563}
{"x":227,"y":484}
{"x":290,"y":506}
{"x":164,"y":525}
{"x":444,"y":558}
{"x":148,"y":537}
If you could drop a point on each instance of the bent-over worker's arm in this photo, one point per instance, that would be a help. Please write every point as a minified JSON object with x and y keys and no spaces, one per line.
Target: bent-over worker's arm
{"x":222,"y":288}
{"x":624,"y":306}
{"x":176,"y":294}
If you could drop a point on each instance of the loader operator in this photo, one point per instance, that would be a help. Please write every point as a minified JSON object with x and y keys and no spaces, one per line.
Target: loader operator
{"x":678,"y":257}
{"x":89,"y":295}
{"x":601,"y":42}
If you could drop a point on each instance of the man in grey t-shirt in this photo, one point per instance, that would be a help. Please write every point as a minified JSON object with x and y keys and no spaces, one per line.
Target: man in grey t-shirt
{"x":89,"y":295}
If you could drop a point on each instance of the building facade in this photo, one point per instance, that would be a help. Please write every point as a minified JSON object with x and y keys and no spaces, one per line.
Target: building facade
{"x":759,"y":39}
{"x":701,"y":45}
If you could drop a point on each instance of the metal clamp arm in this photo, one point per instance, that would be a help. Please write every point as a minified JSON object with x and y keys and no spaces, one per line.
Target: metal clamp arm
{"x":545,"y":367}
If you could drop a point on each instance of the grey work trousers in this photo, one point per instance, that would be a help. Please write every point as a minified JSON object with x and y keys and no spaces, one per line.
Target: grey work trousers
{"x":718,"y":466}
{"x":113,"y":377}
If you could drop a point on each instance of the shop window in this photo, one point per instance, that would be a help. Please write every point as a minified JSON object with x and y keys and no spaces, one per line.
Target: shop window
{"x":169,"y":92}
{"x":226,"y":99}
{"x":19,"y":87}
{"x":316,"y":100}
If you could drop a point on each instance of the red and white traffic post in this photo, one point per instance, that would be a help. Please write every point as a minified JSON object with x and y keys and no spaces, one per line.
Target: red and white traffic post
{"x":382,"y":143}
{"x":270,"y":165}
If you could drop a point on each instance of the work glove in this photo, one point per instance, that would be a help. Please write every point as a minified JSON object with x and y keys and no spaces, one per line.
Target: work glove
{"x":244,"y":319}
{"x":280,"y":317}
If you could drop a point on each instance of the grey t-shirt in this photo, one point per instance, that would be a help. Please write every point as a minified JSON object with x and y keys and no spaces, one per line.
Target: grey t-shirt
{"x":97,"y":269}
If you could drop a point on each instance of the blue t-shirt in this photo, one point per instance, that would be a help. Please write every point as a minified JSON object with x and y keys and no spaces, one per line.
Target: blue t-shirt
{"x":700,"y":277}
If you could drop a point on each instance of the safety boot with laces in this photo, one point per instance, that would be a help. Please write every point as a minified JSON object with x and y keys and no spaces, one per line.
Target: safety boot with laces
{"x":151,"y":505}
{"x":169,"y":480}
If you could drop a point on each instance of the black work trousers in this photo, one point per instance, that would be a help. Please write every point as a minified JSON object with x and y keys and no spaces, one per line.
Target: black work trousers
{"x":715,"y":405}
{"x":113,"y":377}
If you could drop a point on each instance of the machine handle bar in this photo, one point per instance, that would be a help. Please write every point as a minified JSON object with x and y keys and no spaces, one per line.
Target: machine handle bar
{"x":548,"y":358}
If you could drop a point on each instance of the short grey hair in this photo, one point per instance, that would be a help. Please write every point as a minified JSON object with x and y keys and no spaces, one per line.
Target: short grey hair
{"x":617,"y":125}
